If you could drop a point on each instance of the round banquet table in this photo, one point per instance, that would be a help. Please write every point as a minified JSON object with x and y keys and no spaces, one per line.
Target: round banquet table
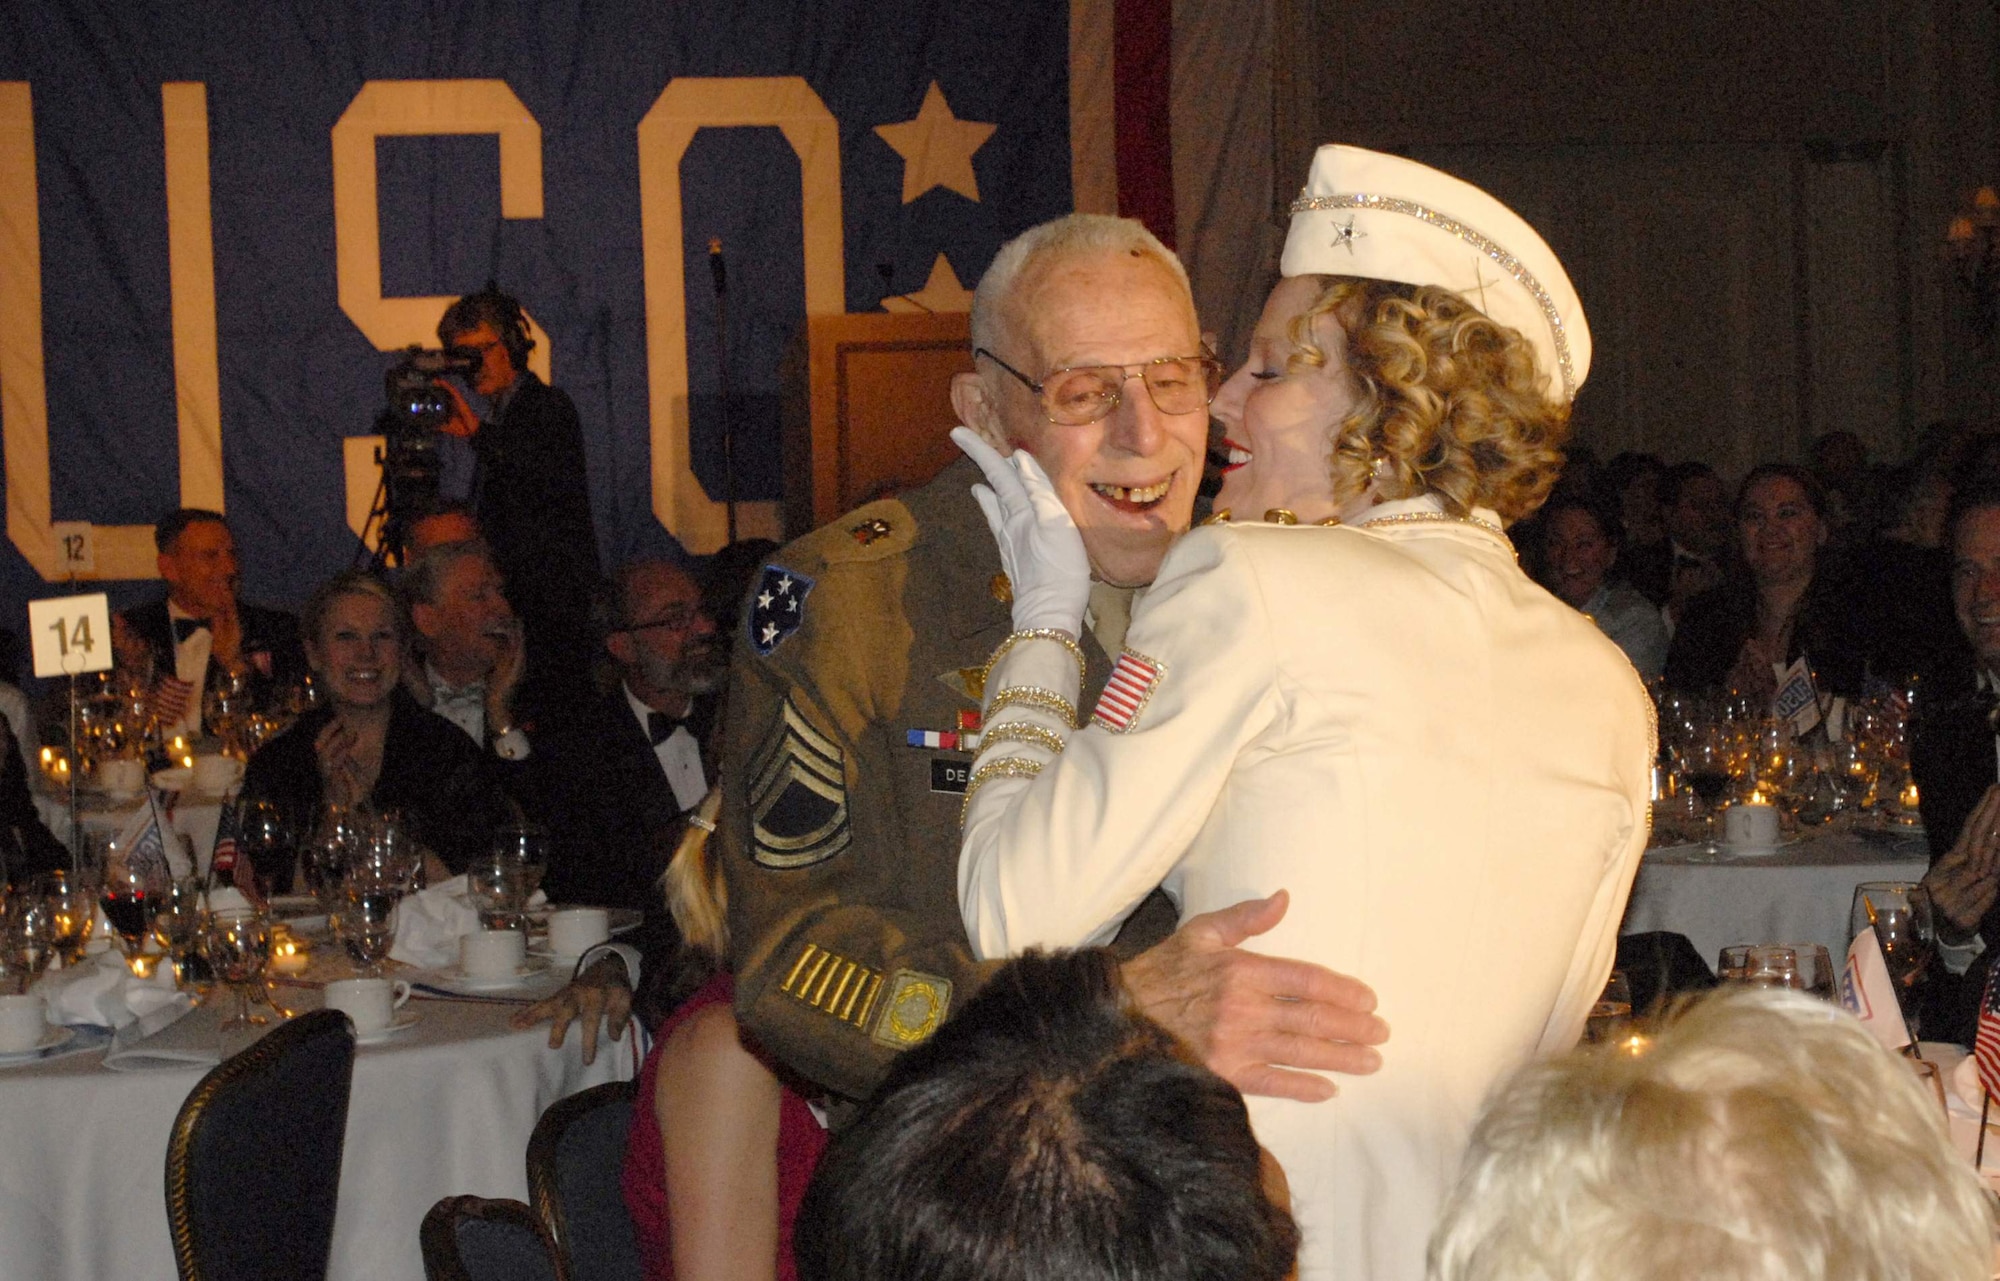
{"x":1799,"y":894}
{"x":442,"y":1109}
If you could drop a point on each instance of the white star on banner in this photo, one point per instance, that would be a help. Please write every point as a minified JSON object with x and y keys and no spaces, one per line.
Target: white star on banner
{"x":770,"y":633}
{"x":763,"y":600}
{"x":937,"y":148}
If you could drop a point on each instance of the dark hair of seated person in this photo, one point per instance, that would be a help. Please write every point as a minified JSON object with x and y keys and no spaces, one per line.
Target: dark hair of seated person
{"x":1046,"y":1133}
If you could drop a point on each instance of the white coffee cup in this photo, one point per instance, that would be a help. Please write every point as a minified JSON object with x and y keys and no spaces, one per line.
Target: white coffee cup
{"x":1751,"y":826}
{"x":369,"y":1002}
{"x":214,"y":774}
{"x":24,"y":1021}
{"x":121,"y":776}
{"x":575,"y":930}
{"x":492,"y":954}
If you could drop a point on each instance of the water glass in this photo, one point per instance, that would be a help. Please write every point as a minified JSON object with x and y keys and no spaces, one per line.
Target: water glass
{"x":1612,"y":1011}
{"x":236,"y":943}
{"x":528,"y":846}
{"x":72,"y":904}
{"x":1902,"y":917}
{"x":498,"y":887}
{"x":368,"y":916}
{"x":177,"y":927}
{"x":27,"y":937}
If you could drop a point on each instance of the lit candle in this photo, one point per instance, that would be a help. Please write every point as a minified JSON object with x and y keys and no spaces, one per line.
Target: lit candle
{"x":187,"y":762}
{"x":1907,"y":798}
{"x":1635,"y":1045}
{"x":1960,"y":231}
{"x":288,"y":954}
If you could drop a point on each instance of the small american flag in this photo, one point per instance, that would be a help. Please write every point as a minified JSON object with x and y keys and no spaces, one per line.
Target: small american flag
{"x":170,"y":698}
{"x":1125,"y":695}
{"x":222,"y":864}
{"x":1986,"y":1041}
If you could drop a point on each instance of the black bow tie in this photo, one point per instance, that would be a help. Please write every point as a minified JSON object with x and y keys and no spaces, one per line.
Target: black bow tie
{"x":186,"y":627}
{"x":660,"y":727}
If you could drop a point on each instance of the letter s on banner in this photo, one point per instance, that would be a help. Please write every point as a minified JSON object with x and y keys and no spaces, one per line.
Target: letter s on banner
{"x":122,"y":551}
{"x":686,"y":106}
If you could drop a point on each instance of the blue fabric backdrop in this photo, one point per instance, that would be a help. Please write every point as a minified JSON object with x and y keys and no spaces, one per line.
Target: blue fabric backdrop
{"x":297,"y":376}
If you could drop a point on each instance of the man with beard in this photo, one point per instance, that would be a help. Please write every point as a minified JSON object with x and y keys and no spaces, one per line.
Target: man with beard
{"x":611,"y":778}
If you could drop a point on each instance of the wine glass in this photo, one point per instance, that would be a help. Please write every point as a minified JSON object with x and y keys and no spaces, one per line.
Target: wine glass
{"x":498,"y":887}
{"x":1612,"y":1011}
{"x":236,"y":942}
{"x":337,"y":838}
{"x":71,"y":897}
{"x":266,"y":837}
{"x":177,"y":926}
{"x":134,"y":887}
{"x":368,"y":915}
{"x":1901,"y":915}
{"x":527,"y":846}
{"x":27,"y":937}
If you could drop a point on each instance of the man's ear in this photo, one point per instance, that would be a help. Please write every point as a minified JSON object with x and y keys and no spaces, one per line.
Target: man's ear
{"x":972,"y":401}
{"x":619,"y":646}
{"x":424,"y":618}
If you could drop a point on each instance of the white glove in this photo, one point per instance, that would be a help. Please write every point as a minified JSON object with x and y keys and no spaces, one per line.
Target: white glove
{"x":1040,"y":546}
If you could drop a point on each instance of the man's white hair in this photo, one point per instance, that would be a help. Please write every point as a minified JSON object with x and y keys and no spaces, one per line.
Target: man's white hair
{"x":1074,"y":235}
{"x":1764,"y":1136}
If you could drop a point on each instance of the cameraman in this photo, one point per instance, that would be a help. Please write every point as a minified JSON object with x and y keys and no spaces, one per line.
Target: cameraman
{"x":529,"y":490}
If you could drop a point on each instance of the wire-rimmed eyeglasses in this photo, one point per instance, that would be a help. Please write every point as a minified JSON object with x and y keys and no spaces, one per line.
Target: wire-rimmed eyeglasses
{"x":1080,"y":394}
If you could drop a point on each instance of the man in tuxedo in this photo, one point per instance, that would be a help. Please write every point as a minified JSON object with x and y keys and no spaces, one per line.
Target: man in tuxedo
{"x":617,"y":771}
{"x":1953,"y":756}
{"x":200,"y":630}
{"x":469,"y":646}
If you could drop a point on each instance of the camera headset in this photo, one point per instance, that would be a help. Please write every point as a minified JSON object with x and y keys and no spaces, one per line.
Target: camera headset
{"x":504,"y":313}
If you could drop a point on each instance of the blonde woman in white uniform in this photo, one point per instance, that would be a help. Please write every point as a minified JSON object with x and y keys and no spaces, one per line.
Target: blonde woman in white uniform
{"x":1360,"y":699}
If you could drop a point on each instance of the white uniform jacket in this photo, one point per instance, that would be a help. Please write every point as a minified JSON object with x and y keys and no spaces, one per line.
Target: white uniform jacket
{"x":1446,"y":766}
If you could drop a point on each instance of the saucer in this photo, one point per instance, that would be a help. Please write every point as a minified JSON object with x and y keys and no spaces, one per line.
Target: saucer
{"x":528,"y":969}
{"x":55,"y":1037}
{"x":403,"y":1022}
{"x":1732,"y":850}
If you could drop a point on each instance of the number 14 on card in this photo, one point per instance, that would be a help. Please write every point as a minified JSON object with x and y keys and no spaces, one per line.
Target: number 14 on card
{"x":72,"y":634}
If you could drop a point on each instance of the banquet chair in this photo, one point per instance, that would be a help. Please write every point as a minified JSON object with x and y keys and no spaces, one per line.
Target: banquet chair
{"x":575,"y":1158}
{"x":253,"y":1163}
{"x":470,"y":1238}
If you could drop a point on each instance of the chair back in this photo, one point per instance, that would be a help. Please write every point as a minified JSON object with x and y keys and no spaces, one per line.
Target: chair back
{"x":575,"y":1159}
{"x":253,"y":1164}
{"x":469,"y":1238}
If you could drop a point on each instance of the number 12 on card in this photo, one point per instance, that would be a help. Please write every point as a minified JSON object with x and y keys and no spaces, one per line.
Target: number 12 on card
{"x":72,"y":634}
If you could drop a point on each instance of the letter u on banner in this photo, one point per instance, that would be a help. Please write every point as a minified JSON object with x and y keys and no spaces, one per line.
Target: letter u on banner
{"x":686,"y":106}
{"x":121,"y":551}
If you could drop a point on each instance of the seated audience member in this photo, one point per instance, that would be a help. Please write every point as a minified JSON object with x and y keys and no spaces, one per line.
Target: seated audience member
{"x":1952,"y":759}
{"x":469,"y":651}
{"x":614,"y":774}
{"x":1047,"y":1130}
{"x":1630,"y":484}
{"x":370,"y":744}
{"x":1762,"y":1136}
{"x":1902,"y":584}
{"x":1580,"y":555}
{"x":1782,"y":608}
{"x":1840,"y":464}
{"x":445,"y":521}
{"x":175,"y":645}
{"x":1698,"y":533}
{"x":26,"y":844}
{"x":721,"y":1149}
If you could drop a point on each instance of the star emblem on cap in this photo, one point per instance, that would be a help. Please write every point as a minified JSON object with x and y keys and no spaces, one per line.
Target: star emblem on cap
{"x":1345,"y":236}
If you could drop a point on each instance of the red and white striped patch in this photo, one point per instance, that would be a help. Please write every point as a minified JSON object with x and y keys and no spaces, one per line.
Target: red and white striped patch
{"x":170,"y":698}
{"x":1133,"y":679}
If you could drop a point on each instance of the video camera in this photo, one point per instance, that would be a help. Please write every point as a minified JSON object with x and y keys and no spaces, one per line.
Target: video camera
{"x":409,"y":425}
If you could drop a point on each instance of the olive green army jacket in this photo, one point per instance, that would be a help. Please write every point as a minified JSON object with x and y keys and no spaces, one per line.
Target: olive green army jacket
{"x":856,"y":668}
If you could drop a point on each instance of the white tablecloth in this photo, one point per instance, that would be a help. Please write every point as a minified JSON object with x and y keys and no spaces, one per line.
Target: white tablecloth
{"x":1800,"y":894}
{"x":442,"y":1109}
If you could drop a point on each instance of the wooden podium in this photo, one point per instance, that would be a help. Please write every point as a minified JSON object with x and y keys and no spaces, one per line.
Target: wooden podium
{"x":871,"y":415}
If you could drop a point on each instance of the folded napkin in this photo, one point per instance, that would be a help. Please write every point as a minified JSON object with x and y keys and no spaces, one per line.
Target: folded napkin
{"x":176,"y":1036}
{"x":104,"y":992}
{"x":430,"y":923}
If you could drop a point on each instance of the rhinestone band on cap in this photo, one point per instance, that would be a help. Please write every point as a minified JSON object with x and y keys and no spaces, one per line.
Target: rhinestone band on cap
{"x":1507,"y":262}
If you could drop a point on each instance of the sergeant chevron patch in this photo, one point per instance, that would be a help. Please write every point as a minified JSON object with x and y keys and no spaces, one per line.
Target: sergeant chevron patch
{"x":798,"y":796}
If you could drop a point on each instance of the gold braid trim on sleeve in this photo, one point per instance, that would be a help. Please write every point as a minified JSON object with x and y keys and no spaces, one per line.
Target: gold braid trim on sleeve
{"x":1005,"y":767}
{"x":1021,"y":732}
{"x":1046,"y":700}
{"x":1056,"y":634}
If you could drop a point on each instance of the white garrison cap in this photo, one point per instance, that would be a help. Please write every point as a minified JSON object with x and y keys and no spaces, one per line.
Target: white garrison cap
{"x":1382,"y":217}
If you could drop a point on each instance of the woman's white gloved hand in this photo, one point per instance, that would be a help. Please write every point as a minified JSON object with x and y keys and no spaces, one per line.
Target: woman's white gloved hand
{"x":1040,"y":546}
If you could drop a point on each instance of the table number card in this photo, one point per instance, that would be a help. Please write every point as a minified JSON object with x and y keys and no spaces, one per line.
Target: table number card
{"x":71,"y":634}
{"x":76,"y":548}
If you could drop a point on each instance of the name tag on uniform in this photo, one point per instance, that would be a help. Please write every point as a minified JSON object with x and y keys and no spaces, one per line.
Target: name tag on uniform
{"x":950,"y":774}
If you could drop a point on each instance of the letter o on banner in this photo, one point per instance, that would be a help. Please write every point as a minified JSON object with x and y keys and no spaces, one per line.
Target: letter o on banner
{"x":686,"y":106}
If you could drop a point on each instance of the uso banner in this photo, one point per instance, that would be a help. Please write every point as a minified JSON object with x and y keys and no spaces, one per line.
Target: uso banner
{"x":216,"y":218}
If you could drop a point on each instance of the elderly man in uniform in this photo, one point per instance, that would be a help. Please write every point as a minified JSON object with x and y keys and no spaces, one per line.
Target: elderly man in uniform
{"x":854,"y":700}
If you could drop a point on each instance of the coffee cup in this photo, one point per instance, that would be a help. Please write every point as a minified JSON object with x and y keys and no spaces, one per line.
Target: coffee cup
{"x":369,"y":1002}
{"x":1751,"y":826}
{"x":575,"y":930}
{"x":24,"y":1021}
{"x":121,"y":776}
{"x":214,"y":774}
{"x":492,"y":954}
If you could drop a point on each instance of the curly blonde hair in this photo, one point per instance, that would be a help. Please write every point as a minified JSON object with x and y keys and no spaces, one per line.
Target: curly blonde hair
{"x":1450,"y":402}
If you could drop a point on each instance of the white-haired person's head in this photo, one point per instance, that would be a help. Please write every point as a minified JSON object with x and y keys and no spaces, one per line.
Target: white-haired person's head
{"x":1762,"y":1136}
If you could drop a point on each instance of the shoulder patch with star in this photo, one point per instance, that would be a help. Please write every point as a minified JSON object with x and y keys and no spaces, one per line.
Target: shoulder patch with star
{"x":777,"y":608}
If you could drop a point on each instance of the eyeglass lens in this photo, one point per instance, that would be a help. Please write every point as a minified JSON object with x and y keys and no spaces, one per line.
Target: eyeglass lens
{"x":1089,"y":392}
